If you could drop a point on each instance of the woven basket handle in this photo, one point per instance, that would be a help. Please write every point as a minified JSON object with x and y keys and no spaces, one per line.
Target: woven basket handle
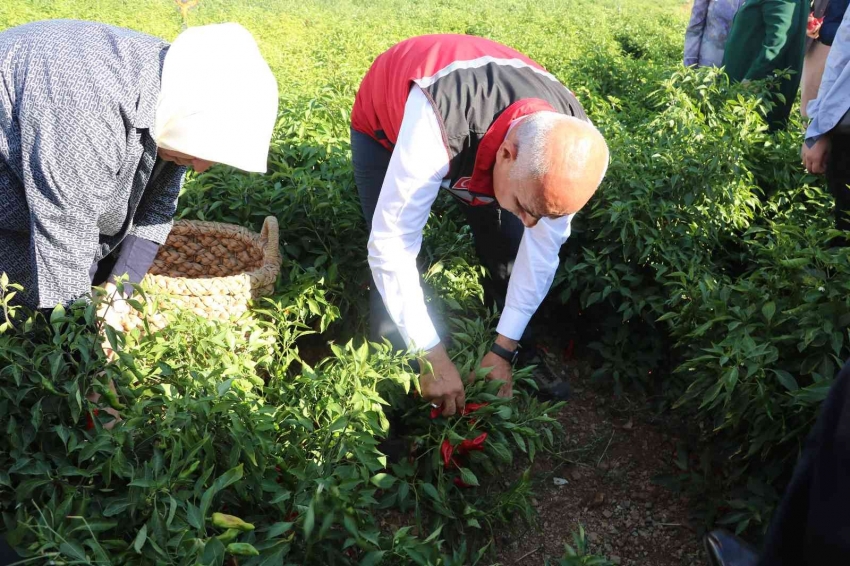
{"x":269,"y":240}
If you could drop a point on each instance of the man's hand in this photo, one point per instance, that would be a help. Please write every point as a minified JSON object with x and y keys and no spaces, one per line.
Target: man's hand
{"x":442,"y":386}
{"x":814,"y":158}
{"x":502,"y":369}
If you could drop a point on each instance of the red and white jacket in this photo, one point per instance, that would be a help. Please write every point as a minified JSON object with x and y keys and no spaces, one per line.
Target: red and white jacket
{"x":443,"y":105}
{"x":476,"y":86}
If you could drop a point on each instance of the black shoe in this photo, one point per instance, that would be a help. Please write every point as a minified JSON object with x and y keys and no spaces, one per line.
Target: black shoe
{"x":725,"y":549}
{"x":395,"y":446}
{"x":550,"y":386}
{"x":395,"y":449}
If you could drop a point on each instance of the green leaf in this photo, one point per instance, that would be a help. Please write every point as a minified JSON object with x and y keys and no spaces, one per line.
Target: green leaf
{"x":711,"y":394}
{"x":731,"y":378}
{"x":520,"y":442}
{"x":172,"y":510}
{"x":468,"y":477}
{"x":383,"y":481}
{"x":416,"y":555}
{"x":143,"y":483}
{"x":213,"y":552}
{"x":95,"y":526}
{"x":57,"y":314}
{"x":73,"y":550}
{"x":500,"y":451}
{"x":116,"y":507}
{"x":430,"y":491}
{"x":372,"y":558}
{"x":768,"y":310}
{"x":194,"y":516}
{"x":278,"y":529}
{"x":350,"y":524}
{"x":141,"y":537}
{"x":504,"y":412}
{"x":433,"y":536}
{"x":786,"y":379}
{"x":111,"y":336}
{"x":309,"y":521}
{"x":227,"y":478}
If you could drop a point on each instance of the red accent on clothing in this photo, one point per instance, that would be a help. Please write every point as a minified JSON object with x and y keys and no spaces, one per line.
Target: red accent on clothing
{"x":380,"y":101}
{"x":485,"y":159}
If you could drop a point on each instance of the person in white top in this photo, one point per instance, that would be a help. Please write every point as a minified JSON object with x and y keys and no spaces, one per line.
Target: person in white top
{"x":510,"y":142}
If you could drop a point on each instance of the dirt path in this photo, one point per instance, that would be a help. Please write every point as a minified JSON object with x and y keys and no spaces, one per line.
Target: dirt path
{"x":608,"y":458}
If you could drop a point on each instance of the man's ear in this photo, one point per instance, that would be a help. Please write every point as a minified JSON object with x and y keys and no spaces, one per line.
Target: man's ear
{"x":507,"y":151}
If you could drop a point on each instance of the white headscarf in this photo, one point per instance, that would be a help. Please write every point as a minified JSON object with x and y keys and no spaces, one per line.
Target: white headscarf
{"x":219,"y":98}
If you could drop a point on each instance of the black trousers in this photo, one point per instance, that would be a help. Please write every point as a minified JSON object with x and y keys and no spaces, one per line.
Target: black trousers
{"x":497,"y":234}
{"x":811,"y":527}
{"x":838,"y":177}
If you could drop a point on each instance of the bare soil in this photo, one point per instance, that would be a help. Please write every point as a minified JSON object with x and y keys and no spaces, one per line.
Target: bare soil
{"x":612,"y":450}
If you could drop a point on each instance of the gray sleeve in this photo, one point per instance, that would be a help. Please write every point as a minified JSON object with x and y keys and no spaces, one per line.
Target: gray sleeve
{"x":154,"y":216}
{"x":68,"y":162}
{"x":695,"y":31}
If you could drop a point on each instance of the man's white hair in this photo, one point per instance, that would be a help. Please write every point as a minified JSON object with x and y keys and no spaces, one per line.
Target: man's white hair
{"x":532,"y":137}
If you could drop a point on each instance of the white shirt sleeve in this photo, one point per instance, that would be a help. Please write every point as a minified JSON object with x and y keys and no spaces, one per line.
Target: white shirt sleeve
{"x":532,"y":273}
{"x":417,"y":167}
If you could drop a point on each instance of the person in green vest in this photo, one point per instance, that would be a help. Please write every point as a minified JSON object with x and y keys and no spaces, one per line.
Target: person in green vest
{"x":767,"y":36}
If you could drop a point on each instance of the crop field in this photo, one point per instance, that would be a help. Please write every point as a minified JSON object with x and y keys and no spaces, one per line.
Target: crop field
{"x":698,"y":279}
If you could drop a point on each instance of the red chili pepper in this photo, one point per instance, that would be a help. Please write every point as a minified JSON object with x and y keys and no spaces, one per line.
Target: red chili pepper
{"x":460,"y":483}
{"x":291,"y":517}
{"x":436,"y":412}
{"x":470,"y":407}
{"x":90,"y":418}
{"x":476,"y":443}
{"x":446,"y":451}
{"x":568,"y":351}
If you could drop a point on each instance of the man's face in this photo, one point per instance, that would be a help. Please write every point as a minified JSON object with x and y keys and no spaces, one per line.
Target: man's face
{"x":573,"y":170}
{"x":514,"y":194}
{"x":199,"y":165}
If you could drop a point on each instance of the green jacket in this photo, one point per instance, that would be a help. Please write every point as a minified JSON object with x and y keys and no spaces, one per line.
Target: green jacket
{"x":766,"y":36}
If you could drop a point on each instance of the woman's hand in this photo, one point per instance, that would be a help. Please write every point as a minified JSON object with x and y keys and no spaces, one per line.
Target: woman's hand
{"x":113,"y":310}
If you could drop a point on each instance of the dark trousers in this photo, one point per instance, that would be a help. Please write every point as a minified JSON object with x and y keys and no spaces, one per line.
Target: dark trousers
{"x":811,"y":527}
{"x":7,"y":555}
{"x":838,"y":177}
{"x":497,"y":235}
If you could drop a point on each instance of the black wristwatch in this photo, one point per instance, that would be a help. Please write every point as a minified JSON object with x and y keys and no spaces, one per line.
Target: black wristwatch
{"x":504,"y":353}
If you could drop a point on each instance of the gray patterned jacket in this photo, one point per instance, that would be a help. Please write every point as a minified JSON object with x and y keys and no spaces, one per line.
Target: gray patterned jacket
{"x":77,"y":103}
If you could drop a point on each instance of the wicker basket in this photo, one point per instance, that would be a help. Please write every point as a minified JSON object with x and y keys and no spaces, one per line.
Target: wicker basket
{"x":212,"y":269}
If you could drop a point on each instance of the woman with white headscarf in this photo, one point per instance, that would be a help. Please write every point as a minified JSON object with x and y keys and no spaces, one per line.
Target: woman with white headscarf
{"x":97,"y":127}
